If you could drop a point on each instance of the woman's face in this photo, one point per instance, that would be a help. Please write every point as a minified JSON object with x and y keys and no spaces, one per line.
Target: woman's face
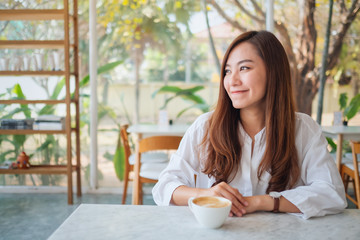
{"x":245,"y":77}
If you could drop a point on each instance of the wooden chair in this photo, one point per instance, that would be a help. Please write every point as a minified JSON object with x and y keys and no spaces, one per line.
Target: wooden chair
{"x":149,"y":144}
{"x":149,"y":158}
{"x":351,"y":170}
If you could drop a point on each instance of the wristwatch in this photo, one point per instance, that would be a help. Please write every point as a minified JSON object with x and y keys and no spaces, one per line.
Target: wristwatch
{"x":276,"y":196}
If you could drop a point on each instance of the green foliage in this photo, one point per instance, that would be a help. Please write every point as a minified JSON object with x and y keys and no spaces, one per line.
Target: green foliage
{"x":332,"y":144}
{"x":187,"y":94}
{"x":20,"y":95}
{"x":119,"y":162}
{"x":105,"y":68}
{"x":349,"y":111}
{"x":343,"y":100}
{"x":49,"y":149}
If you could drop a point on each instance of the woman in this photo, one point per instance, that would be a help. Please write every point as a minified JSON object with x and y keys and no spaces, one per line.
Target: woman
{"x":253,"y":149}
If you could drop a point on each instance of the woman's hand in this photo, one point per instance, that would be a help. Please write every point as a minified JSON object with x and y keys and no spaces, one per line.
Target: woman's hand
{"x":224,"y":190}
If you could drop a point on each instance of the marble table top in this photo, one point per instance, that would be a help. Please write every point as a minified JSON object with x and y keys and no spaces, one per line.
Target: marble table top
{"x":99,"y":221}
{"x":154,"y":129}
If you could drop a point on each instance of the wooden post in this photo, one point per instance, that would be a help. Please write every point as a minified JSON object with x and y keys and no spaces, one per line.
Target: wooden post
{"x":68,"y":101}
{"x":339,"y":151}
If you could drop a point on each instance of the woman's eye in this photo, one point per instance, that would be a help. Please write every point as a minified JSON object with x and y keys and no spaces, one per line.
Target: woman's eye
{"x":227,"y":71}
{"x":243,"y":68}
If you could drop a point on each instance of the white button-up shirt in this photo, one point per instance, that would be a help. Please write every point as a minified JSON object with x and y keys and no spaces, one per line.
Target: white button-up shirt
{"x":318,"y":192}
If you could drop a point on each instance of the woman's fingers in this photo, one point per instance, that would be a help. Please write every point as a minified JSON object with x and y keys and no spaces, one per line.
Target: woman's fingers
{"x":238,"y":201}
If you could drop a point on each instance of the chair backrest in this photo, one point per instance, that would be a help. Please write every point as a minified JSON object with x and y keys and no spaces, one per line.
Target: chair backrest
{"x":127,"y":149}
{"x":355,"y":147}
{"x":159,"y":143}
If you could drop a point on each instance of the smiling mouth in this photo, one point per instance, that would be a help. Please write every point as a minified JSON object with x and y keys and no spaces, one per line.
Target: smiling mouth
{"x":239,"y":91}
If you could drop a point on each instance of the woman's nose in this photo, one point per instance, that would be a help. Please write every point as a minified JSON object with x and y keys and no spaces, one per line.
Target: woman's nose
{"x":235,"y":78}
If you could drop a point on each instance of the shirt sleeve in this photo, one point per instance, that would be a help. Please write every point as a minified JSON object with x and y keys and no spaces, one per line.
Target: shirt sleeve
{"x":183,"y":165}
{"x":320,"y":190}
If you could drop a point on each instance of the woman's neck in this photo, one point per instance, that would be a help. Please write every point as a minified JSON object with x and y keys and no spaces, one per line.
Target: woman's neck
{"x":253,"y":121}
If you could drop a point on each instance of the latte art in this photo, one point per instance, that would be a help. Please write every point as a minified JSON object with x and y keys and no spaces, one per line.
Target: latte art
{"x":210,"y":202}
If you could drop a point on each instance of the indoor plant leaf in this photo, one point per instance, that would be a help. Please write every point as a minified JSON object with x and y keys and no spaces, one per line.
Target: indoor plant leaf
{"x":353,"y":107}
{"x":102,"y":69}
{"x":343,"y":100}
{"x":20,"y":95}
{"x":119,"y":160}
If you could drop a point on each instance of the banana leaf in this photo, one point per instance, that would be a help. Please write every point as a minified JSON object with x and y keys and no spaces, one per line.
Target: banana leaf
{"x":50,"y":109}
{"x":186,"y":94}
{"x":119,"y":160}
{"x":332,"y":144}
{"x":102,"y":69}
{"x":353,"y":107}
{"x":20,"y":95}
{"x":13,"y":112}
{"x":19,"y":140}
{"x":343,"y":100}
{"x":176,"y":90}
{"x":3,"y":155}
{"x":203,"y":107}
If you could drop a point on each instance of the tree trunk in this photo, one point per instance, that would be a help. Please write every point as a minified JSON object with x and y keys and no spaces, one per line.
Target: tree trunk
{"x":301,"y":50}
{"x":305,"y":59}
{"x":211,"y":40}
{"x":324,"y":65}
{"x":138,"y":58}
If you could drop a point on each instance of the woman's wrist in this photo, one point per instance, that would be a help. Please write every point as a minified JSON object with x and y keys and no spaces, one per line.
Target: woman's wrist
{"x":181,"y":194}
{"x":264,"y":203}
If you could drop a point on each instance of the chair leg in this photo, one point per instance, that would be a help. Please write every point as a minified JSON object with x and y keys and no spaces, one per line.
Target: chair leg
{"x":346,"y":180}
{"x":126,"y":181}
{"x":357,"y":192}
{"x":140,"y":194}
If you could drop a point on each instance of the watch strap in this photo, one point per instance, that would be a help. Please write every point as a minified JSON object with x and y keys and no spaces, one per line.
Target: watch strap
{"x":276,"y":205}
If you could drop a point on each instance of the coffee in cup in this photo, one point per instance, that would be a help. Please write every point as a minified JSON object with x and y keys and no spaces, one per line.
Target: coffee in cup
{"x":210,"y":211}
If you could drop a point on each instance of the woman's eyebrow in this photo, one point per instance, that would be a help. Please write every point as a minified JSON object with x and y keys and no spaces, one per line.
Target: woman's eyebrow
{"x":240,"y":62}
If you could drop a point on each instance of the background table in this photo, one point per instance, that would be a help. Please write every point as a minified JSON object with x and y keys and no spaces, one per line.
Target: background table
{"x":153,"y":129}
{"x":153,"y":222}
{"x":341,"y":133}
{"x":150,"y":130}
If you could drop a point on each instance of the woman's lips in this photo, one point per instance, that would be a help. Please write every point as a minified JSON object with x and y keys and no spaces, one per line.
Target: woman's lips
{"x":239,"y":91}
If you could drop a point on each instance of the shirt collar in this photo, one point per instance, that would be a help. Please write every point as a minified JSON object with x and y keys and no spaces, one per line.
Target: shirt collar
{"x":247,"y":139}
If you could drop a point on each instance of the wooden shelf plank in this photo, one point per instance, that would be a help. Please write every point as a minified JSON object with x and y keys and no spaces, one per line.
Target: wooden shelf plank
{"x":25,"y":101}
{"x":31,"y":14}
{"x":39,"y":169}
{"x":32,"y":44}
{"x":29,"y":131}
{"x":32,"y":73}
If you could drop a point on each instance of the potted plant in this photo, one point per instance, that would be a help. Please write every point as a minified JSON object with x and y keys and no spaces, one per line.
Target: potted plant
{"x":187,"y":94}
{"x":349,"y":111}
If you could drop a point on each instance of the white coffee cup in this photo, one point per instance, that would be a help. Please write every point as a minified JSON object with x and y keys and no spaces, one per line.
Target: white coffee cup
{"x":209,"y":211}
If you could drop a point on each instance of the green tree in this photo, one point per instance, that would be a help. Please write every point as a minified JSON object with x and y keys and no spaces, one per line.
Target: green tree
{"x":297,"y":24}
{"x":139,"y":24}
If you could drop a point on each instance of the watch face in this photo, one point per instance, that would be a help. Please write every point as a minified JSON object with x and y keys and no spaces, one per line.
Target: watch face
{"x":275,"y":194}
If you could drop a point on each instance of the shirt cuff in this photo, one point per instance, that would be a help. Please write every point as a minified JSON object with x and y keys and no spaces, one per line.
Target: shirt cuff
{"x":300,"y":202}
{"x":169,"y":190}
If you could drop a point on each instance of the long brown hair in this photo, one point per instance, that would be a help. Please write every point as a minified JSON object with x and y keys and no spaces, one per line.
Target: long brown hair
{"x":221,"y":141}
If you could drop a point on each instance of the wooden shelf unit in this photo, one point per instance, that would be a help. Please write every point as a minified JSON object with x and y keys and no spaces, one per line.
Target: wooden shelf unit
{"x":32,"y":73}
{"x":31,"y":14}
{"x":50,"y":14}
{"x":40,"y":169}
{"x":32,"y":44}
{"x":24,"y":101}
{"x":31,"y":131}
